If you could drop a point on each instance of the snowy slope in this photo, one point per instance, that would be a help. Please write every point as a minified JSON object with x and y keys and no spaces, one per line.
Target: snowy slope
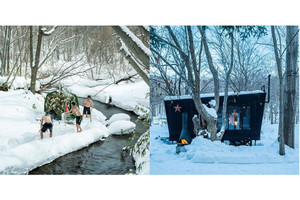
{"x":21,"y":148}
{"x":128,"y":96}
{"x":19,"y":82}
{"x":206,"y":157}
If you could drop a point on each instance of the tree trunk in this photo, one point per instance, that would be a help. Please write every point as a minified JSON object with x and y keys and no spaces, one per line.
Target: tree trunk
{"x":8,"y":49}
{"x":133,"y":46}
{"x":211,"y":122}
{"x":279,"y":71}
{"x":211,"y":67}
{"x":136,"y":67}
{"x":35,"y":67}
{"x":271,"y":112}
{"x":224,"y":110}
{"x":4,"y":52}
{"x":289,"y":100}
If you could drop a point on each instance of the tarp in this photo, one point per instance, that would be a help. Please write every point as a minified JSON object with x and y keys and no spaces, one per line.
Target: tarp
{"x":56,"y":103}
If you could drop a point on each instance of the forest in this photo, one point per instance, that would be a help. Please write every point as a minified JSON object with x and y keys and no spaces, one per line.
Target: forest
{"x":196,"y":60}
{"x":48,"y":54}
{"x":47,"y":70}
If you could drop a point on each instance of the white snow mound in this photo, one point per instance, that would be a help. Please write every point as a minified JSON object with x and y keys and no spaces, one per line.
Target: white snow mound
{"x":121,"y":127}
{"x":117,"y":117}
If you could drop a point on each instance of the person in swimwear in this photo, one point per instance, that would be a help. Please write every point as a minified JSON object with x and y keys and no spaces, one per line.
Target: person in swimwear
{"x":47,"y":125}
{"x":76,"y":111}
{"x":88,"y":107}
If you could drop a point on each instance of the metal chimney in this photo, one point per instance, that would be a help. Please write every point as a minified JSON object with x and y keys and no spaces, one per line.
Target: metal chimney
{"x":185,"y":137}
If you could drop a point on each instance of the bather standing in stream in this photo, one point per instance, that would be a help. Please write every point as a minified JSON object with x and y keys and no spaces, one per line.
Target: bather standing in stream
{"x":88,"y":107}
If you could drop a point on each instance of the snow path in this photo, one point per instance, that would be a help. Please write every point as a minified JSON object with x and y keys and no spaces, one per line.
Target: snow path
{"x":206,"y":157}
{"x":21,"y":148}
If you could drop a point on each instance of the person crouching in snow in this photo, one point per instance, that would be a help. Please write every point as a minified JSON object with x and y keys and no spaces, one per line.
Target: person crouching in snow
{"x":76,"y":111}
{"x":88,"y":107}
{"x":47,"y":125}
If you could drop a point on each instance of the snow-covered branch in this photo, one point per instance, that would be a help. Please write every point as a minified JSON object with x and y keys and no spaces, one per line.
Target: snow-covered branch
{"x":47,"y":33}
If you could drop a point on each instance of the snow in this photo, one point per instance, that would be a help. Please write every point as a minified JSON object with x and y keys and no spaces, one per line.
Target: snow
{"x":124,"y":47}
{"x":147,"y":28}
{"x":136,"y":40}
{"x":21,"y":148}
{"x":167,"y":98}
{"x":142,"y":162}
{"x":50,"y":31}
{"x":19,"y":82}
{"x":121,"y":127}
{"x":212,"y":103}
{"x":159,"y":120}
{"x":211,"y":111}
{"x":128,"y":96}
{"x":206,"y":157}
{"x":119,"y":116}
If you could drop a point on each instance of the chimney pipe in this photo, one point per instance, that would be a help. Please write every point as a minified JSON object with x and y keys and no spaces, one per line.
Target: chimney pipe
{"x":269,"y":81}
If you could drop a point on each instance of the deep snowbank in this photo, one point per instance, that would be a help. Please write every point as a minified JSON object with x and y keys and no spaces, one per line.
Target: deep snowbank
{"x":206,"y":157}
{"x":116,"y":117}
{"x":121,"y":127}
{"x":19,"y":82}
{"x":21,"y":148}
{"x":129,"y":96}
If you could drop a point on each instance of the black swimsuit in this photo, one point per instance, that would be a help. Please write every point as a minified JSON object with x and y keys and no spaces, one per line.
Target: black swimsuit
{"x":46,"y":126}
{"x":86,"y":110}
{"x":78,"y":119}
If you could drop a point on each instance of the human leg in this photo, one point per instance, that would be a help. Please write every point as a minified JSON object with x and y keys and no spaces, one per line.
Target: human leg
{"x":41,"y":133}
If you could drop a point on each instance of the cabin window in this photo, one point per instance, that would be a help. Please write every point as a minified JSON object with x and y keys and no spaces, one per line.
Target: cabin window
{"x":237,"y":118}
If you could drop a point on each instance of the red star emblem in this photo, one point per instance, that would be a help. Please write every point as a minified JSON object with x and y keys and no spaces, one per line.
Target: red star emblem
{"x":177,"y":108}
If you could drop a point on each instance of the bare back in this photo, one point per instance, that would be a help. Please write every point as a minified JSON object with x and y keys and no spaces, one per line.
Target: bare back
{"x":46,"y":119}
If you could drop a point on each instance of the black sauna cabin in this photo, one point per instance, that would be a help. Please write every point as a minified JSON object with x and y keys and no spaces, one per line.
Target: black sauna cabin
{"x":243,"y":118}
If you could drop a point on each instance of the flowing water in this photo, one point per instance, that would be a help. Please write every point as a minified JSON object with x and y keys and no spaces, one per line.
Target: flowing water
{"x":102,"y":157}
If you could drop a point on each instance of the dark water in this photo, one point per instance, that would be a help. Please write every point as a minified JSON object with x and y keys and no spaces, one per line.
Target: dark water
{"x":102,"y":157}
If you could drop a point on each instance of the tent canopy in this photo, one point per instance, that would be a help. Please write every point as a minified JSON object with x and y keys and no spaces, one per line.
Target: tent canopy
{"x":56,"y":103}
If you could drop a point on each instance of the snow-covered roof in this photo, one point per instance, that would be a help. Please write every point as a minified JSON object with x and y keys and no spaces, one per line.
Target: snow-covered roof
{"x":212,"y":95}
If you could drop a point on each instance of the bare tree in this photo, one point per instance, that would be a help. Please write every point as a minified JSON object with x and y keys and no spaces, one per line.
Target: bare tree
{"x":5,"y":51}
{"x":134,"y":50}
{"x":227,"y":78}
{"x":35,"y":66}
{"x":188,"y":68}
{"x":280,"y":76}
{"x":289,"y":88}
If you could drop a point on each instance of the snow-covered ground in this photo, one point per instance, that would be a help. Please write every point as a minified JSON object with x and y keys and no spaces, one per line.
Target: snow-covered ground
{"x":21,"y":148}
{"x":19,"y":82}
{"x":129,"y":96}
{"x":121,"y":127}
{"x":206,"y":157}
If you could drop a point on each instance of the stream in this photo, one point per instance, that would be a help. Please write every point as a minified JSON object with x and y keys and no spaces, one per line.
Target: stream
{"x":102,"y":157}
